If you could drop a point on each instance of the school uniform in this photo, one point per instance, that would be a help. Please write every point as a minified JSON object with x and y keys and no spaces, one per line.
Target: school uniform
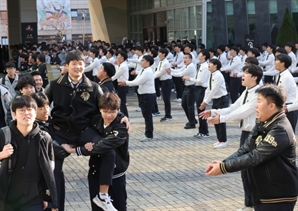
{"x":178,"y":60}
{"x":166,"y":82}
{"x":170,"y":57}
{"x":188,"y":96}
{"x":10,"y":84}
{"x":42,"y":68}
{"x":201,"y":82}
{"x":292,"y":68}
{"x":94,"y":67}
{"x":216,"y":91}
{"x":268,"y":64}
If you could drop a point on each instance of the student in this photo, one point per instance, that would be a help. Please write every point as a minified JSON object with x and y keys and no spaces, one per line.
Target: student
{"x":28,"y":170}
{"x":42,"y":68}
{"x":217,"y":92}
{"x":122,"y":74}
{"x":26,"y":85}
{"x":110,"y":56}
{"x":188,"y":96}
{"x":105,"y":74}
{"x":147,"y":96}
{"x":5,"y":99}
{"x":289,"y":47}
{"x":166,"y":82}
{"x":38,"y":81}
{"x":242,"y":110}
{"x":11,"y":79}
{"x":115,"y":137}
{"x":95,"y":65}
{"x":268,"y":63}
{"x":234,"y":68}
{"x":24,"y":63}
{"x":286,"y":81}
{"x":178,"y":63}
{"x":268,"y":154}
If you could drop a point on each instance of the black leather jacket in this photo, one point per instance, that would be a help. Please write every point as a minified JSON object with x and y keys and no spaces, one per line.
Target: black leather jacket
{"x":269,"y":154}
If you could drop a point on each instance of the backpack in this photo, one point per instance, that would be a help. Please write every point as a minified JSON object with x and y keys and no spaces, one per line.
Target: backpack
{"x":7,"y":137}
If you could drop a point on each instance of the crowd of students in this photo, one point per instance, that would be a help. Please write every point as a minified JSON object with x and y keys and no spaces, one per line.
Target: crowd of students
{"x":93,"y":86}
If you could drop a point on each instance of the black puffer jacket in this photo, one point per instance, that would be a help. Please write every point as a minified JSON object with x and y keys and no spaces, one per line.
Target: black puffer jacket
{"x":269,"y":154}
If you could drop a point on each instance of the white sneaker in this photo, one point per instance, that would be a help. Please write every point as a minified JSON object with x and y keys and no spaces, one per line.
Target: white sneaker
{"x":246,"y":209}
{"x":175,"y":100}
{"x":179,"y":100}
{"x":146,"y":139}
{"x":216,"y":143}
{"x":220,"y":145}
{"x":105,"y":203}
{"x":138,"y":109}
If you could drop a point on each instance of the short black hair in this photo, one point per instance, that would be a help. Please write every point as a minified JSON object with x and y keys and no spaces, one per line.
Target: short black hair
{"x":202,"y":46}
{"x":122,"y":53}
{"x":111,"y":52}
{"x":254,"y":51}
{"x":252,"y":60}
{"x":285,"y":59}
{"x":179,"y":46}
{"x":191,"y":46}
{"x":189,"y":55}
{"x":104,"y":51}
{"x":216,"y":62}
{"x":212,"y":50}
{"x":163,"y":51}
{"x":290,"y":44}
{"x":41,"y":58}
{"x":154,"y":52}
{"x":109,"y":69}
{"x":109,"y":100}
{"x":94,"y":51}
{"x":24,"y":81}
{"x":169,"y":47}
{"x":9,"y":65}
{"x":74,"y":55}
{"x":243,"y":48}
{"x":23,"y":101}
{"x":273,"y":94}
{"x":265,"y":44}
{"x":254,"y":70}
{"x":281,"y":50}
{"x":149,"y":59}
{"x":40,"y":98}
{"x":221,"y":47}
{"x":235,"y":48}
{"x":24,"y":56}
{"x":272,"y":46}
{"x":36,"y":73}
{"x":205,"y":53}
{"x":139,"y":48}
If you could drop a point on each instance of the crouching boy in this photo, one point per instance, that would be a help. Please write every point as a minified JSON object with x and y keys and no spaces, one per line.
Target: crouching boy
{"x":26,"y":179}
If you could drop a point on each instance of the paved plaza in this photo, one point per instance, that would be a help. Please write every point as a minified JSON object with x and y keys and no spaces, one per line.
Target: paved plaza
{"x":166,"y":174}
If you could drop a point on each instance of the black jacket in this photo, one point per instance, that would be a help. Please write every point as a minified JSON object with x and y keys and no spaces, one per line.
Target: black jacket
{"x":270,"y":157}
{"x":46,"y":162}
{"x":73,"y":107}
{"x":114,"y":136}
{"x":42,"y":68}
{"x":107,"y":85}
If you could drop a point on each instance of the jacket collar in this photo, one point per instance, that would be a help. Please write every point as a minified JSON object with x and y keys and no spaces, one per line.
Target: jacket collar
{"x":273,"y":118}
{"x":63,"y":80}
{"x":33,"y":132}
{"x":105,"y":81}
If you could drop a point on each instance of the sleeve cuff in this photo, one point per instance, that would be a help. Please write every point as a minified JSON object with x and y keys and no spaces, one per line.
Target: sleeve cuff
{"x":223,"y":168}
{"x":79,"y":151}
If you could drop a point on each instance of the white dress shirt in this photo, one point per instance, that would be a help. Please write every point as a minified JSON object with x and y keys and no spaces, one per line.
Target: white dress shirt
{"x":94,"y":66}
{"x":145,"y":81}
{"x":268,"y":62}
{"x":186,"y":70}
{"x":170,"y":57}
{"x":89,"y":59}
{"x":292,"y":68}
{"x":102,"y":60}
{"x":161,"y":72}
{"x":286,"y":81}
{"x":122,"y":72}
{"x":234,"y":66}
{"x":217,"y":89}
{"x":178,"y":59}
{"x":136,"y":64}
{"x":223,"y":59}
{"x":202,"y":75}
{"x":240,"y":110}
{"x":111,"y":60}
{"x":242,"y":59}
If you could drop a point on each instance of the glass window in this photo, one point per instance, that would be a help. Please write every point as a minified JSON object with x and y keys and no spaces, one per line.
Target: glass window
{"x":230,"y":22}
{"x":170,"y":37}
{"x":273,"y":20}
{"x":183,"y":1}
{"x":295,"y":13}
{"x":192,"y":17}
{"x":156,"y":3}
{"x":210,"y":36}
{"x":135,"y":23}
{"x":184,"y":18}
{"x":199,"y":15}
{"x":74,"y":14}
{"x":251,"y":11}
{"x":170,"y":20}
{"x":177,"y":19}
{"x":163,"y":3}
{"x":184,"y":36}
{"x":177,"y":35}
{"x":176,"y":1}
{"x":170,"y":2}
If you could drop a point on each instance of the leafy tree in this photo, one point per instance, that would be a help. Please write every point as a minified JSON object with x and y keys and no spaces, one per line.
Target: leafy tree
{"x":287,"y":31}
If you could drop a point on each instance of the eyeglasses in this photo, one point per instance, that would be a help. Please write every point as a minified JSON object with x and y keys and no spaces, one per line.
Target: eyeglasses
{"x":23,"y":110}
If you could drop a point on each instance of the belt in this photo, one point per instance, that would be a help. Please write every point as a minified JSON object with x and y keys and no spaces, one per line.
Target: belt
{"x":289,"y":103}
{"x":165,"y":80}
{"x":219,"y":97}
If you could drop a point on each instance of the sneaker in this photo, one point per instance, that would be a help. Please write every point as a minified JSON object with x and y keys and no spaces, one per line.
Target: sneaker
{"x":138,"y":109}
{"x":179,"y":100}
{"x":172,"y":90}
{"x":188,"y":126}
{"x":201,"y":135}
{"x":146,"y":139}
{"x":246,"y":209}
{"x":165,"y":119}
{"x":159,"y":98}
{"x":157,"y":113}
{"x":220,"y":145}
{"x":105,"y":203}
{"x":175,"y":100}
{"x":216,"y":143}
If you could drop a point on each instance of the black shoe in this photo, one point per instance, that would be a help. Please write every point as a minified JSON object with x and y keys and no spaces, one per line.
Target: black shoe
{"x":189,"y":126}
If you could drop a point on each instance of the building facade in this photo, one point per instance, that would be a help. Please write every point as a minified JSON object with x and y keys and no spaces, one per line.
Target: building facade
{"x":211,"y":22}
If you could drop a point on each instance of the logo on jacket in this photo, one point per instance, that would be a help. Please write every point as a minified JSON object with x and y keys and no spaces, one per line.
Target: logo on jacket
{"x":270,"y":140}
{"x":115,"y":132}
{"x":258,"y":140}
{"x":85,"y":96}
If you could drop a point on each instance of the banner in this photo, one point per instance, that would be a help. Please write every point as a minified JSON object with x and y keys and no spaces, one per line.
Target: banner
{"x":53,"y":15}
{"x":29,"y":33}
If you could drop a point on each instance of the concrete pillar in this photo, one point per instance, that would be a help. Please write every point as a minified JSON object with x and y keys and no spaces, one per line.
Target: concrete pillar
{"x":263,"y":22}
{"x":241,"y":22}
{"x":97,"y":19}
{"x":219,"y":20}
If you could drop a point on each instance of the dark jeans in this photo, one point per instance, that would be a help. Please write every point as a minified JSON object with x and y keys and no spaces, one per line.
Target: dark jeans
{"x":227,"y":80}
{"x":292,"y":117}
{"x":188,"y":101}
{"x":166,"y":87}
{"x":248,"y":198}
{"x":285,"y":206}
{"x":199,"y":96}
{"x":28,"y":207}
{"x":221,"y":131}
{"x":63,"y":138}
{"x":147,"y":104}
{"x":157,"y":87}
{"x":268,"y":79}
{"x":179,"y":86}
{"x":117,"y":191}
{"x":122,"y":92}
{"x":235,"y":84}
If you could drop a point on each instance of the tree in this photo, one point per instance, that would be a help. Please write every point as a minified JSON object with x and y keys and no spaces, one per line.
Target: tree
{"x":287,"y":31}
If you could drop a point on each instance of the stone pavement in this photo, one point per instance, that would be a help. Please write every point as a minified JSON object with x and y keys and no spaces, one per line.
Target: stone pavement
{"x":166,"y":174}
